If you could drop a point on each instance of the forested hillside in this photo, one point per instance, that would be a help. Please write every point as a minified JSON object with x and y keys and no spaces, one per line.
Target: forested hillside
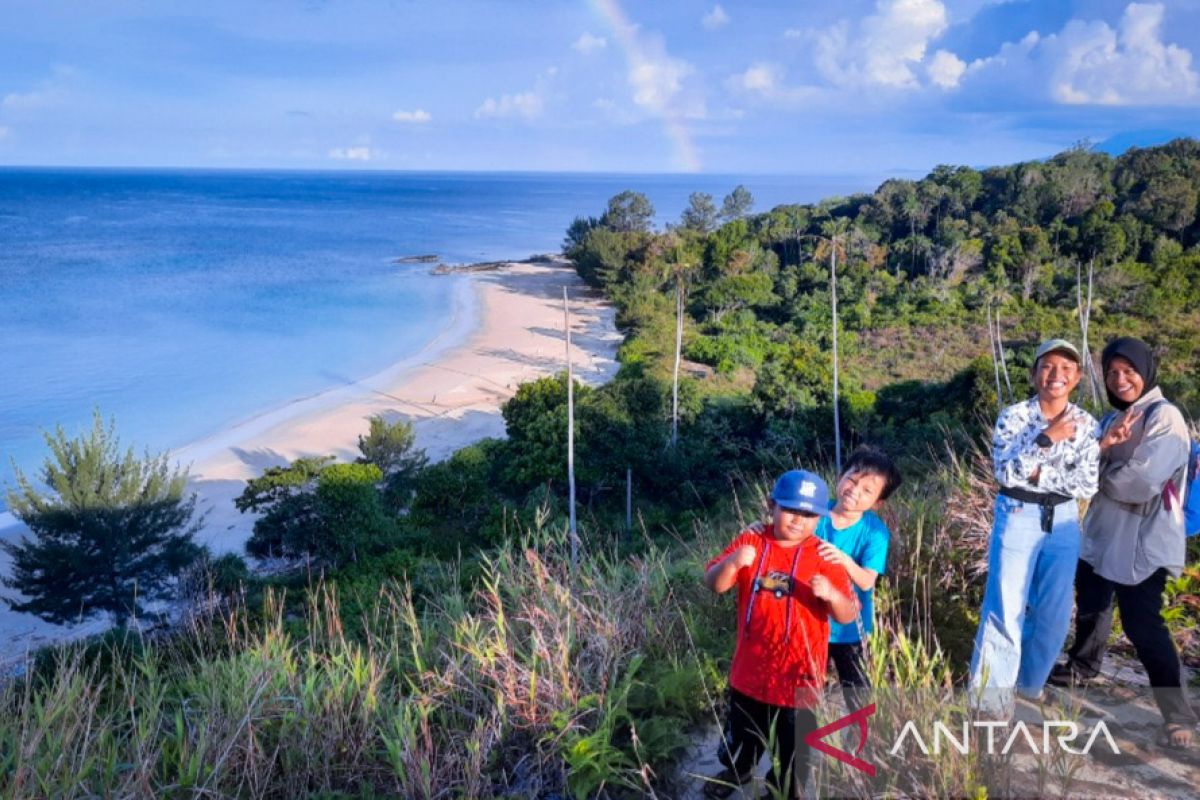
{"x":923,"y":269}
{"x":440,"y":641}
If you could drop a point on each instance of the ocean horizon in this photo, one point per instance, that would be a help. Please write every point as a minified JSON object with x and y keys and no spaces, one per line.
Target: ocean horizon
{"x":182,"y":302}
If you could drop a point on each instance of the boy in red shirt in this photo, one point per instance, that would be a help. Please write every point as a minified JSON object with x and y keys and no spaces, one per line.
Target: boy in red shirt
{"x":786,"y":594}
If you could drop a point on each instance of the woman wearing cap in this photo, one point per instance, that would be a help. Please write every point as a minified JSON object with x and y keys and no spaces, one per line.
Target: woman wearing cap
{"x":1134,"y":534}
{"x":1045,"y":458}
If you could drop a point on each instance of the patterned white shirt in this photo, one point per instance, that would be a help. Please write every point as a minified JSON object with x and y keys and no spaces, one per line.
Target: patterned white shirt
{"x":1070,"y":467}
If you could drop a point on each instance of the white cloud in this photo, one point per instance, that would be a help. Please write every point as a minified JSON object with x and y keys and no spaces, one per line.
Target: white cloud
{"x":659,"y":81}
{"x":664,"y":86}
{"x":3,"y":132}
{"x":26,"y":101}
{"x":48,"y":92}
{"x":884,"y":48}
{"x":1129,"y":66}
{"x":767,"y":82}
{"x":1090,"y":63}
{"x":527,"y":105}
{"x":416,"y":117}
{"x":359,"y":153}
{"x":946,"y":69}
{"x":758,"y":78}
{"x":587,"y":43}
{"x":717,"y":18}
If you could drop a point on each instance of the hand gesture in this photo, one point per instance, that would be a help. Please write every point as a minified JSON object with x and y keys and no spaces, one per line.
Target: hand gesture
{"x":744,"y":556}
{"x":1061,"y":427}
{"x":830,"y":552}
{"x":1121,"y":429}
{"x":822,"y":588}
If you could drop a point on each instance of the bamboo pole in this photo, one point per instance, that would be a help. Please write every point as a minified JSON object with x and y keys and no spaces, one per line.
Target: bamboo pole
{"x":1093,"y":379}
{"x":574,"y":532}
{"x":995,"y":361}
{"x":1003,"y":360}
{"x":837,"y":422}
{"x":678,"y":356}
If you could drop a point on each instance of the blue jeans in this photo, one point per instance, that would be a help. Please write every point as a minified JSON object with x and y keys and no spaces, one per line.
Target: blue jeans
{"x":1027,"y":603}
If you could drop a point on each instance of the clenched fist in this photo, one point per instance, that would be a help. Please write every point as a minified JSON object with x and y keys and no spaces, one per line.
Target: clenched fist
{"x":744,"y":556}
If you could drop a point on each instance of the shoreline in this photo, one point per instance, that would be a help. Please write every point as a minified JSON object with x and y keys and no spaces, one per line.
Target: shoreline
{"x":465,"y":309}
{"x":506,"y":329}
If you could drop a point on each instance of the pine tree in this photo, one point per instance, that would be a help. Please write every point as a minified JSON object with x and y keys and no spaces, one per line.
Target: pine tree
{"x":109,"y":533}
{"x":391,"y":446}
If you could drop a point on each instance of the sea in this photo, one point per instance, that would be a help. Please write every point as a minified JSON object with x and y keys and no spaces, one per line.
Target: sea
{"x":177,"y":303}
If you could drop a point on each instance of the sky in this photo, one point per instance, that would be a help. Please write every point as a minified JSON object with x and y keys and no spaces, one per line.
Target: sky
{"x":735,"y":87}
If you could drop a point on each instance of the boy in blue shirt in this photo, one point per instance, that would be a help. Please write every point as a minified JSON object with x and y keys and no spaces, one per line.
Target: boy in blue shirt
{"x":856,"y":538}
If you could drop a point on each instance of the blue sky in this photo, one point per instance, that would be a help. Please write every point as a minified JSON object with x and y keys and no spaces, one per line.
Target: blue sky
{"x":844,"y":87}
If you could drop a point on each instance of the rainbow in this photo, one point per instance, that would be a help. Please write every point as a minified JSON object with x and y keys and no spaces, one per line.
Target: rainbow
{"x":625,"y":33}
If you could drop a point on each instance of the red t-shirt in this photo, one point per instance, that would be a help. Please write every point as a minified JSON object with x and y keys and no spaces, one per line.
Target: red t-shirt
{"x":778,"y":660}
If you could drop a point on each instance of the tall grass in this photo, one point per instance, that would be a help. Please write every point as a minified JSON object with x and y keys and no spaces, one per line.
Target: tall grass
{"x":533,"y":681}
{"x":527,"y":685}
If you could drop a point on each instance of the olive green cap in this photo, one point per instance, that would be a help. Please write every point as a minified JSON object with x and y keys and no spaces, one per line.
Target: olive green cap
{"x":1057,"y":346}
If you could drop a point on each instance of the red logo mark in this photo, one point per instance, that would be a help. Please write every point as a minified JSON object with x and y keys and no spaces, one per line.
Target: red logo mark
{"x":813,"y":739}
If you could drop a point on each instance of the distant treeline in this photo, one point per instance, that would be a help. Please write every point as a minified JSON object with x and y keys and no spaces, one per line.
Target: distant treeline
{"x":921,"y":266}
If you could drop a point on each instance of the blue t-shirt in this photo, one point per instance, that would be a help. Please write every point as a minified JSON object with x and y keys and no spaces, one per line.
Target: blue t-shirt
{"x":866,"y":541}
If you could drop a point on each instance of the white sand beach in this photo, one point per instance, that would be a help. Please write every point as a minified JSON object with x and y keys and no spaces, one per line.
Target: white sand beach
{"x":507,"y":329}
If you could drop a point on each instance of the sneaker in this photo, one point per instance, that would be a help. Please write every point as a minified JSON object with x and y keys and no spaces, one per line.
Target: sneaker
{"x":1066,"y":676}
{"x":724,"y":783}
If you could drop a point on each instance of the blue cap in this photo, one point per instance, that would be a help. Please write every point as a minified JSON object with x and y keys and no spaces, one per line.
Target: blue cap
{"x":801,"y":490}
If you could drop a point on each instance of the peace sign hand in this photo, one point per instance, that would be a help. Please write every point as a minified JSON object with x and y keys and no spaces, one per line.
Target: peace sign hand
{"x":1120,"y":431}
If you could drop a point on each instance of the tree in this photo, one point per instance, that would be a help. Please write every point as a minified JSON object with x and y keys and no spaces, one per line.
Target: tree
{"x":701,"y":213}
{"x":313,"y":508}
{"x":628,"y":212}
{"x":577,"y":234}
{"x":736,"y":204}
{"x":352,"y":519}
{"x":285,"y":498}
{"x":111,"y":531}
{"x":535,"y":419}
{"x":390,"y":446}
{"x":603,"y":257}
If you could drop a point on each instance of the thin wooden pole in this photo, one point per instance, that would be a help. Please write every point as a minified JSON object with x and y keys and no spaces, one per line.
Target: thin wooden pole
{"x":837,"y":423}
{"x":1003,"y":360}
{"x":1087,"y":324}
{"x":995,"y":361}
{"x":678,"y":356}
{"x":570,"y":435}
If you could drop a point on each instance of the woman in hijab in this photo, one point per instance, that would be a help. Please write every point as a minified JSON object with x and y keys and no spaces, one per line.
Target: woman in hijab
{"x":1134,"y":534}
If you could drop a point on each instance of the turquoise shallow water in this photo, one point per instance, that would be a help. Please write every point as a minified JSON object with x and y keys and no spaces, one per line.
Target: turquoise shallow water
{"x":181,"y":302}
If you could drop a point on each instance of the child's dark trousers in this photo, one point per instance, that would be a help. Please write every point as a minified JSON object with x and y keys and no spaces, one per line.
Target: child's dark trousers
{"x":749,"y":727}
{"x":847,"y":659}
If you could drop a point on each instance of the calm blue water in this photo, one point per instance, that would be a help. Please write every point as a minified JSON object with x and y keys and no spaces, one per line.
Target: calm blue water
{"x":180,"y":302}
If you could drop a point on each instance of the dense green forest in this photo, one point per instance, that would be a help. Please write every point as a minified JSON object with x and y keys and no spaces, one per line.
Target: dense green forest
{"x":922,"y":268}
{"x":439,"y":642}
